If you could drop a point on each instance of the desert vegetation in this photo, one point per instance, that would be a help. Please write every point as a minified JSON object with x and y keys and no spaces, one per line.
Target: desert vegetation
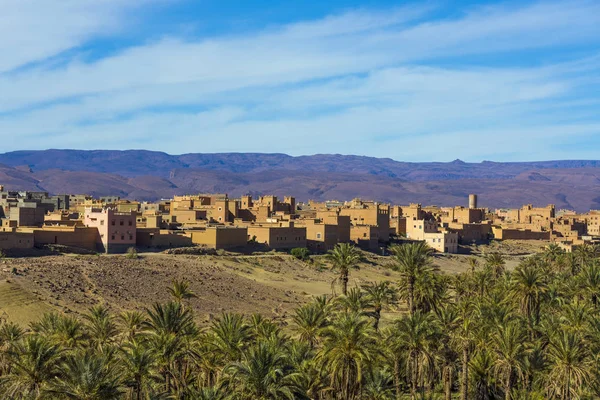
{"x":488,"y":333}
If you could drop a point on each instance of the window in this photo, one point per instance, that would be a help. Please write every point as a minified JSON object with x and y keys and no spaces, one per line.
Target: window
{"x":122,"y":237}
{"x":112,"y":237}
{"x":112,"y":222}
{"x":364,"y":235}
{"x":121,"y":222}
{"x":220,"y":208}
{"x":319,"y":235}
{"x":130,"y":223}
{"x":101,"y":222}
{"x":130,"y":237}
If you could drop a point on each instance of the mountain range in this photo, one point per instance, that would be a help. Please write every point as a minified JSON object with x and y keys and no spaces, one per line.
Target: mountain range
{"x":149,"y":175}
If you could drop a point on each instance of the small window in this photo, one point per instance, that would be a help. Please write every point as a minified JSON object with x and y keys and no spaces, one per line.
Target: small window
{"x":130,"y":223}
{"x":220,"y":208}
{"x":112,"y":222}
{"x":122,"y":237}
{"x":130,"y":237}
{"x":319,"y":235}
{"x":364,"y":235}
{"x":112,"y":237}
{"x":121,"y":222}
{"x":102,"y":222}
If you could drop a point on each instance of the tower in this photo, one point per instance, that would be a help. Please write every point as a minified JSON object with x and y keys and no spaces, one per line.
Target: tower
{"x":472,"y":201}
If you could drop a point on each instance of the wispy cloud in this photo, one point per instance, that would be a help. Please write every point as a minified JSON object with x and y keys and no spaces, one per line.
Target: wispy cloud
{"x":398,"y":83}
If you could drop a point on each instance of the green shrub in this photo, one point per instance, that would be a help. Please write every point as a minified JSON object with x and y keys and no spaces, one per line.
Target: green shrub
{"x":301,"y":253}
{"x":132,"y":253}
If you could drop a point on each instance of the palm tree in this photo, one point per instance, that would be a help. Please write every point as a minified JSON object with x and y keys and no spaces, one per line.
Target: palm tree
{"x":354,"y":301}
{"x":448,"y":321}
{"x":69,"y":332}
{"x":348,"y":350}
{"x":138,"y":361}
{"x":169,"y":318}
{"x":101,"y":326}
{"x":431,"y":291}
{"x":589,"y":281}
{"x":10,"y":335}
{"x":473,"y":264}
{"x":34,"y":364}
{"x":379,"y":386}
{"x":412,"y":261}
{"x":132,"y":324}
{"x":379,"y":295}
{"x":509,"y":347}
{"x":570,"y":365}
{"x":553,"y":252}
{"x":480,"y":368}
{"x":230,"y":335}
{"x":463,"y":341}
{"x":180,"y":291}
{"x":529,"y":286}
{"x":585,"y":253}
{"x":261,"y":374}
{"x":87,"y":376}
{"x":309,"y":320}
{"x":207,"y":393}
{"x":343,"y":257}
{"x":418,"y":332}
{"x":569,"y":262}
{"x":496,"y":263}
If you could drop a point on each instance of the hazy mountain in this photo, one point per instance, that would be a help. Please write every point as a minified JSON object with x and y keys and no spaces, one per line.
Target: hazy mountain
{"x":151,"y":175}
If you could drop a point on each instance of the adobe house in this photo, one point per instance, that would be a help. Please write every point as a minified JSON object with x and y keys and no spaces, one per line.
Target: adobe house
{"x":116,"y":230}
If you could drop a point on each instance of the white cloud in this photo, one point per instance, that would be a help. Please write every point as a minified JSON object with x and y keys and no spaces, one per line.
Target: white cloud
{"x":34,"y":30}
{"x":363,"y":82}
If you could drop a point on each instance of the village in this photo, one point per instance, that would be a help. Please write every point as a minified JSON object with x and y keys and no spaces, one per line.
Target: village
{"x":215,"y":221}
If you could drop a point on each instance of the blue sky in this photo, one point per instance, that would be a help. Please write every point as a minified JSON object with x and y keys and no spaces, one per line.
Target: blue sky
{"x":420,"y":81}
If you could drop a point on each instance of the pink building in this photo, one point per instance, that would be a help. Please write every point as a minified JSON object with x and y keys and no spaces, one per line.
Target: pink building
{"x":116,"y":230}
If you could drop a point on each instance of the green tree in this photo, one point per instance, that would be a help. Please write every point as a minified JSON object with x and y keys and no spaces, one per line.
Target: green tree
{"x":35,"y":363}
{"x":379,"y":295}
{"x":261,"y":374}
{"x":413,"y":261}
{"x":180,"y":291}
{"x":344,"y":257}
{"x":309,"y":320}
{"x":138,"y":362}
{"x":509,"y":348}
{"x":87,"y":376}
{"x":496,"y":263}
{"x":348,"y":351}
{"x":570,"y":366}
{"x":418,"y":332}
{"x":529,"y":286}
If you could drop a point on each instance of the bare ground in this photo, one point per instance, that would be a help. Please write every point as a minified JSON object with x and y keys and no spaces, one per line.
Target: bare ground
{"x":269,"y":284}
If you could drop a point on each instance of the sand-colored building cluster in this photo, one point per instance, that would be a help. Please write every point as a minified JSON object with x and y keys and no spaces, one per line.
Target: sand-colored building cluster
{"x":110,"y":224}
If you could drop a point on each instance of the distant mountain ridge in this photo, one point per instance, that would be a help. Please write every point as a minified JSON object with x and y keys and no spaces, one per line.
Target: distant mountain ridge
{"x":150,"y":175}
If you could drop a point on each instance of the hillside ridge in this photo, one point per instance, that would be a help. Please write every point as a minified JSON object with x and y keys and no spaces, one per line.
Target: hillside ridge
{"x":149,"y":175}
